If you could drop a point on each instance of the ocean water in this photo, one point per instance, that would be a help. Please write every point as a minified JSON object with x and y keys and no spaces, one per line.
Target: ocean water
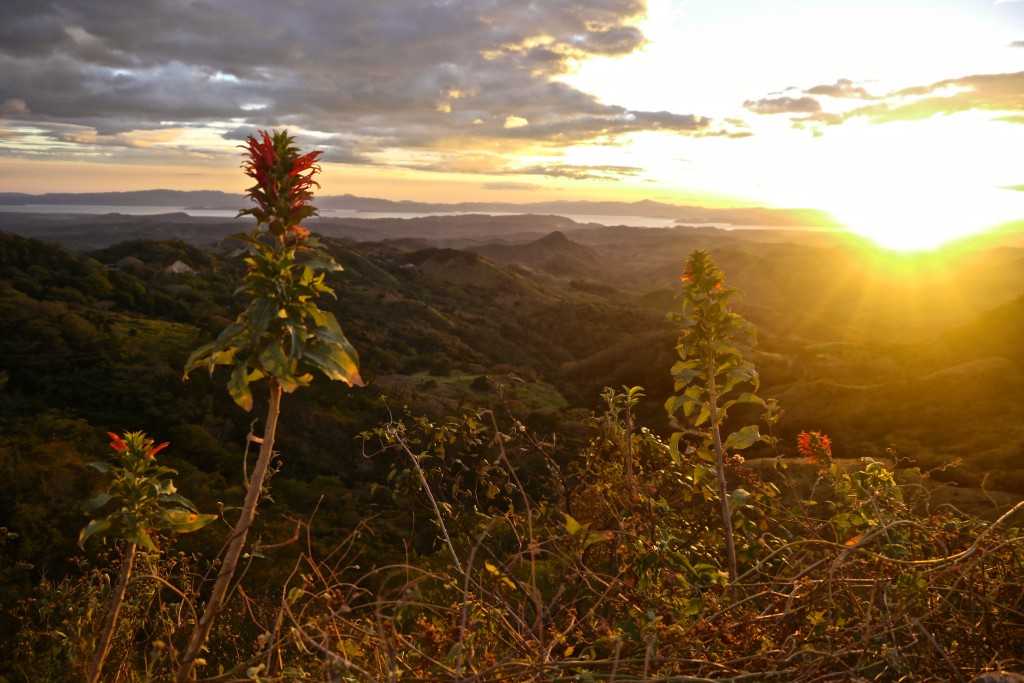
{"x":634,"y":221}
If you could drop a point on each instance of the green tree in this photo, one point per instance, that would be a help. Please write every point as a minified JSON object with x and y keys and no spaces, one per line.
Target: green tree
{"x":282,"y":336}
{"x":710,"y":376}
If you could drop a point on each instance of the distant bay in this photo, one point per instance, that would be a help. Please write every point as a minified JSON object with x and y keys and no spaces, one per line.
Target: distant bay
{"x":99,"y":210}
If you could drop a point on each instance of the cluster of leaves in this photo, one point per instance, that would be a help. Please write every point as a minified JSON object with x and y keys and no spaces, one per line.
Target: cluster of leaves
{"x":451,"y":464}
{"x":628,"y":580}
{"x":283,"y":332}
{"x":141,"y":496}
{"x":712,"y":366}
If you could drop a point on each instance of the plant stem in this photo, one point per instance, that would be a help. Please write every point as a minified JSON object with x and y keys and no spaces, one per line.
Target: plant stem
{"x":629,"y":451}
{"x":723,"y":491}
{"x":113,"y":611}
{"x":234,"y":550}
{"x":433,"y":502}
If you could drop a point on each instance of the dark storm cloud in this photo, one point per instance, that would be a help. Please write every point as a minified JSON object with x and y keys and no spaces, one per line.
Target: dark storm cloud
{"x":391,"y":72}
{"x":784,"y":105}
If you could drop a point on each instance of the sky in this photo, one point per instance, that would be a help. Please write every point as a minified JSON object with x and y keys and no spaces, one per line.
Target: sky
{"x":902,"y":118}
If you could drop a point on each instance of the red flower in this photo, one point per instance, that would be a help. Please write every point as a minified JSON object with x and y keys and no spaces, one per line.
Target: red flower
{"x":284,"y":182}
{"x":117,"y":444}
{"x":153,"y":451}
{"x":815,"y":446}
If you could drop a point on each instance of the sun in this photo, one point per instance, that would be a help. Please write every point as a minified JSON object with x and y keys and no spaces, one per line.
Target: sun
{"x":919,"y":228}
{"x":908,"y":186}
{"x":906,"y":216}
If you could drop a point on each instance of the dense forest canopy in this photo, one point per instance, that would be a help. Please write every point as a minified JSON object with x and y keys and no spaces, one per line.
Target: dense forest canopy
{"x":914,"y":361}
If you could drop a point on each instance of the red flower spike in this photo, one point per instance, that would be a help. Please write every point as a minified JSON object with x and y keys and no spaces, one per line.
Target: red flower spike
{"x":284,"y":181}
{"x":815,"y":446}
{"x":153,"y":451}
{"x":117,"y":444}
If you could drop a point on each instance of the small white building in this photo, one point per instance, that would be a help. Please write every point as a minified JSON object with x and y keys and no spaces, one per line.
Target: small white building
{"x":178,"y":268}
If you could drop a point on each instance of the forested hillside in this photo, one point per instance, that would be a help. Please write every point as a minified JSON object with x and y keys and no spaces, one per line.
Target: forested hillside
{"x":915,"y":359}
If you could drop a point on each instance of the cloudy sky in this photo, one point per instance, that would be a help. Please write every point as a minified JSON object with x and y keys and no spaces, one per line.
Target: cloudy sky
{"x":898,"y":116}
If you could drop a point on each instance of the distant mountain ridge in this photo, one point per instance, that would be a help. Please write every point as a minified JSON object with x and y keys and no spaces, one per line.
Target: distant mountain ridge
{"x":214,"y":199}
{"x":171,"y":198}
{"x":554,"y":254}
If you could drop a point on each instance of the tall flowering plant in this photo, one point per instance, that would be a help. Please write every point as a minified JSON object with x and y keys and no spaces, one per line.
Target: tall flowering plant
{"x":711,"y":376}
{"x":282,"y":336}
{"x":142,"y":500}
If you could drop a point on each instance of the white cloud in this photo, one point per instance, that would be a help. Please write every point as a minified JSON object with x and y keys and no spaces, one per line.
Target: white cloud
{"x":515,"y":122}
{"x":14,"y":108}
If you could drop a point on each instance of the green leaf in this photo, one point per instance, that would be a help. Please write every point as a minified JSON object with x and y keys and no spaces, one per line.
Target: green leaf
{"x":260,"y":314}
{"x":102,"y":467}
{"x":687,"y":401}
{"x":684,"y":373}
{"x":198,"y":357}
{"x":224,"y":357}
{"x":745,"y":397}
{"x":738,"y":498}
{"x":722,"y":348}
{"x":571,"y":525}
{"x":276,"y":364}
{"x":96,"y":502}
{"x":180,"y":500}
{"x":337,"y":361}
{"x":325,"y":319}
{"x":296,"y":327}
{"x":706,"y":455}
{"x":742,"y":438}
{"x":593,"y":537}
{"x":183,"y":521}
{"x":674,"y":403}
{"x":97,"y":526}
{"x":238,"y":387}
{"x":139,"y":537}
{"x":673,"y":446}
